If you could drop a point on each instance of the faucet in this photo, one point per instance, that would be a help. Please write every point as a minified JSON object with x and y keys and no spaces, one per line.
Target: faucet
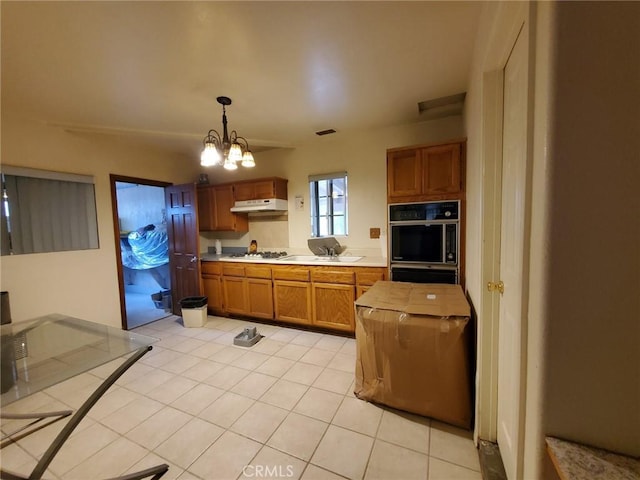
{"x":332,"y":252}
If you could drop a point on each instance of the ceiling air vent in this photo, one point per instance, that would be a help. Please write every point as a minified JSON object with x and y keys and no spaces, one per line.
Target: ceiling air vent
{"x":442,"y":107}
{"x":329,"y":131}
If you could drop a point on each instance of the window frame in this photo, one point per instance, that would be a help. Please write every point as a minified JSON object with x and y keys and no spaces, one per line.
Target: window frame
{"x":315,"y":216}
{"x":46,"y":223}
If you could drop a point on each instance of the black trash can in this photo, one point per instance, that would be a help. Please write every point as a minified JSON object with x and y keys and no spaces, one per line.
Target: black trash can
{"x":194,"y":311}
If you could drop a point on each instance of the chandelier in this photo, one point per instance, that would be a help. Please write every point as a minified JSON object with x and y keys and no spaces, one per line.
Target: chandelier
{"x":227,"y":150}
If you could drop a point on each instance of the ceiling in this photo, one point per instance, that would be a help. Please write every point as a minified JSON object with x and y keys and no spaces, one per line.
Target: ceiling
{"x":153,"y":70}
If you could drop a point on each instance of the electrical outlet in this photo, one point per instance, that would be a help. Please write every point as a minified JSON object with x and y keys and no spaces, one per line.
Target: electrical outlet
{"x":374,"y":233}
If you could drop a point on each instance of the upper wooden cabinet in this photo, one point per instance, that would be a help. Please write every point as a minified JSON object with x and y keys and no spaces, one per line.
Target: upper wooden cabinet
{"x":260,"y":189}
{"x":404,"y":173}
{"x":215,"y":202}
{"x":214,"y":209}
{"x":428,"y":172}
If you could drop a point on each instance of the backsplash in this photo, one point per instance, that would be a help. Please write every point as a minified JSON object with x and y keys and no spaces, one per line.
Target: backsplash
{"x":271,"y":233}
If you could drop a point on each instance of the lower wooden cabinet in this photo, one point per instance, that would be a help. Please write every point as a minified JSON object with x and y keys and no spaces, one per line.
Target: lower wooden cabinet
{"x":212,"y":287}
{"x":333,"y":306}
{"x":247,"y":290}
{"x":259,"y":298}
{"x":292,"y":301}
{"x":292,"y":293}
{"x":235,"y":296}
{"x":319,"y":296}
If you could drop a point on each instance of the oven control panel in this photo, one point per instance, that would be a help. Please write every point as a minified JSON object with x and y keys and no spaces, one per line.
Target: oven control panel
{"x":425,"y":211}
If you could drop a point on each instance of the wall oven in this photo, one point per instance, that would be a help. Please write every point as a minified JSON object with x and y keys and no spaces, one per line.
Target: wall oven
{"x":424,"y":240}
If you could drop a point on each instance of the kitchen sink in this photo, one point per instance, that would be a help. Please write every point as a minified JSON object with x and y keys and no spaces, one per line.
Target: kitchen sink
{"x":317,"y":258}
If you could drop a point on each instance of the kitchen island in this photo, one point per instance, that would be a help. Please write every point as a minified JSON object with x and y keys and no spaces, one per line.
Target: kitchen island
{"x":304,"y":290}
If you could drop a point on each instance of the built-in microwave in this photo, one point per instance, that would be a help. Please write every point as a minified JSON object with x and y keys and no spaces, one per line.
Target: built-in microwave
{"x":424,"y":233}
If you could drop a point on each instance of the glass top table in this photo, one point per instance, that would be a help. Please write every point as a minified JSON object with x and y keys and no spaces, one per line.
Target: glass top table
{"x":39,"y":353}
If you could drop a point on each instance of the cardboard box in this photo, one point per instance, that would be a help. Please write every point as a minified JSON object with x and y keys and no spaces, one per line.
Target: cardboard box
{"x":413,"y":349}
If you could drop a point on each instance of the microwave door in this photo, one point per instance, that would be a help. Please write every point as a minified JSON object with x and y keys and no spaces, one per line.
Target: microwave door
{"x":417,"y":243}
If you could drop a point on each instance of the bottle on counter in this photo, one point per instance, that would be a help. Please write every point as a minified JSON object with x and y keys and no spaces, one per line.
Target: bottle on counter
{"x":253,"y":247}
{"x":218,"y":247}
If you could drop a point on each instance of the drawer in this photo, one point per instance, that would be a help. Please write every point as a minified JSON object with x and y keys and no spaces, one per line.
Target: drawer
{"x":300,"y":274}
{"x":328,"y":275}
{"x":258,"y":271}
{"x":231,"y":270}
{"x":369,"y":278}
{"x":212,"y":268}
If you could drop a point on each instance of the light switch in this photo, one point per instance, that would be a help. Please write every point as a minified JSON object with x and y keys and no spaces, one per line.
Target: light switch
{"x":299,"y":202}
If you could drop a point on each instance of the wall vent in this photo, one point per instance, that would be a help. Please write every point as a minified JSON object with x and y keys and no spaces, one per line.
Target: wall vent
{"x":442,"y":107}
{"x":329,"y":131}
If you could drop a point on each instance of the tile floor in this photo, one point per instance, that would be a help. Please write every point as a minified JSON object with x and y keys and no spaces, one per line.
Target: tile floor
{"x":282,"y":409}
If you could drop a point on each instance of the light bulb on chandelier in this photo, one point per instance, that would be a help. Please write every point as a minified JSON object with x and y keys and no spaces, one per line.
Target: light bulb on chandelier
{"x":227,"y":149}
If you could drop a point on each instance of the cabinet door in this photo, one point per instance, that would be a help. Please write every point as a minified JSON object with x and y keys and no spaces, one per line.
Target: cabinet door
{"x":212,"y":289}
{"x":264,"y":189}
{"x":333,"y":306}
{"x":244,"y":191}
{"x":442,"y":169}
{"x":404,"y":173}
{"x":259,"y":298}
{"x":360,"y":289}
{"x":223,"y":201}
{"x":292,"y":301}
{"x":234,"y":295}
{"x":226,"y":220}
{"x":206,"y":213}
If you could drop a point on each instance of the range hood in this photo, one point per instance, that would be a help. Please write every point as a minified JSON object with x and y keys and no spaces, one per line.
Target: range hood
{"x":264,"y":205}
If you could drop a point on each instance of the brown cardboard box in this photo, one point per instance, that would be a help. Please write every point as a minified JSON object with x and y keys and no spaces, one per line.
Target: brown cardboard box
{"x":413,"y":349}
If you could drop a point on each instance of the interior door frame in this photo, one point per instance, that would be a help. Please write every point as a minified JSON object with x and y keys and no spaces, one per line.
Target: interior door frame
{"x":513,"y":19}
{"x":113,"y":178}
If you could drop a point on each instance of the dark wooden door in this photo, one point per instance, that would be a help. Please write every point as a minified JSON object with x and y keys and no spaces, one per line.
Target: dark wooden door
{"x":184,"y":245}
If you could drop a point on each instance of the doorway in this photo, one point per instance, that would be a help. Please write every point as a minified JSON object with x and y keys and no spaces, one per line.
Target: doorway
{"x":502,"y":345}
{"x":141,"y":250}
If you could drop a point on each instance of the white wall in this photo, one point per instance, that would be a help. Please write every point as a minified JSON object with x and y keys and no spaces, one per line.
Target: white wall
{"x":83,"y":283}
{"x":593,"y":355}
{"x":140,"y":205}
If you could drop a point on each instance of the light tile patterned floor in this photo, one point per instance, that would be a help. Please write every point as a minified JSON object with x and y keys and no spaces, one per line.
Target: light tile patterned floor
{"x":282,"y":409}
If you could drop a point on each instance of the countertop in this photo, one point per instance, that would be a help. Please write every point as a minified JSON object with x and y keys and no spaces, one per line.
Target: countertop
{"x":363,"y":262}
{"x":579,"y":462}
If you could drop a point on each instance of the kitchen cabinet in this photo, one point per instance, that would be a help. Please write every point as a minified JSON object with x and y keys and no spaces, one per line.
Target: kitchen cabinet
{"x":366,"y":277}
{"x":259,"y":292}
{"x":333,"y":293}
{"x":320,"y":296}
{"x":212,"y":287}
{"x":235,"y":297}
{"x":424,"y":173}
{"x":333,"y":306}
{"x":247,"y":290}
{"x":292,"y":294}
{"x":404,"y":173}
{"x":273,"y":187}
{"x":214,"y":210}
